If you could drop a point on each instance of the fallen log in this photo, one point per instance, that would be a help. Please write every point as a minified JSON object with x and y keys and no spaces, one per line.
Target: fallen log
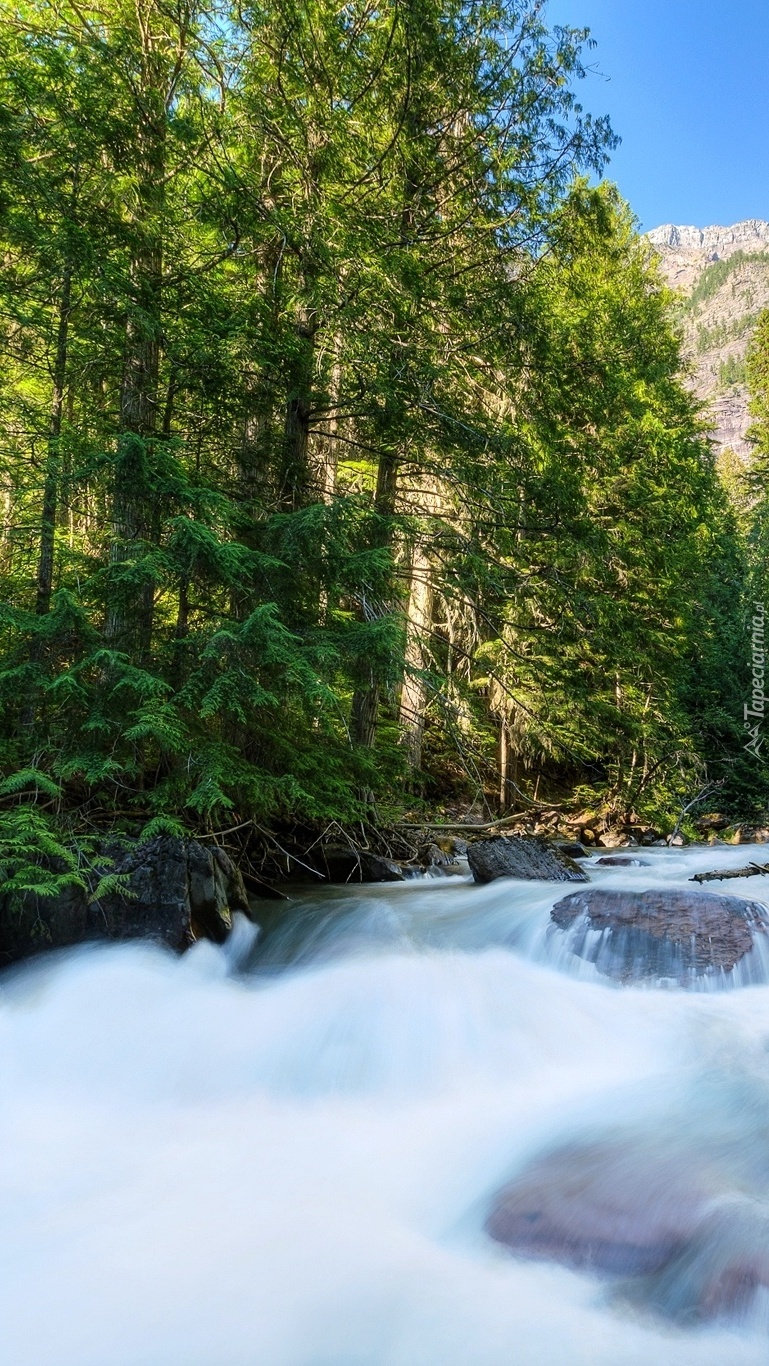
{"x":752,"y":870}
{"x":473,"y":826}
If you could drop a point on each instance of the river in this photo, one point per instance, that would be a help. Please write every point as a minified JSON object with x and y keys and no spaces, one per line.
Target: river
{"x":283,"y":1154}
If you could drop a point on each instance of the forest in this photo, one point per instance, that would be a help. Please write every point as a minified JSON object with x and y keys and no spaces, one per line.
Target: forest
{"x":347,"y":466}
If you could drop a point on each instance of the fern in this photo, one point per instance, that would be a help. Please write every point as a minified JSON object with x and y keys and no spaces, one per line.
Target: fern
{"x":113,"y":884}
{"x":162,"y":825}
{"x":29,"y":777}
{"x":29,"y":845}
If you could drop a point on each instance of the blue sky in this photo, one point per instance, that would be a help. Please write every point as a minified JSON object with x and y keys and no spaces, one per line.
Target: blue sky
{"x":686,"y":84}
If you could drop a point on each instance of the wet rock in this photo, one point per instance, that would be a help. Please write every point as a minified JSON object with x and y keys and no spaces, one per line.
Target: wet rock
{"x":719,"y":1268}
{"x":514,"y":856}
{"x":598,"y":1207}
{"x":571,"y":848}
{"x":662,"y":933}
{"x":340,"y":863}
{"x":440,"y":857}
{"x":433,"y":856}
{"x":173,"y":891}
{"x":670,"y":1226}
{"x":216,"y":890}
{"x":621,"y":861}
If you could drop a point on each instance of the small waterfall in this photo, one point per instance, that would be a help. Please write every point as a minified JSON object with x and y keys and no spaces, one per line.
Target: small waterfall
{"x":287,"y":1150}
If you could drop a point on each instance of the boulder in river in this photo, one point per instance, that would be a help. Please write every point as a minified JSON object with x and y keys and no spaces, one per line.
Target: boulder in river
{"x":674,"y":1229}
{"x":599,"y":1207}
{"x":532,"y":859}
{"x":173,"y":891}
{"x":343,"y":863}
{"x":571,"y":848}
{"x":661,"y":933}
{"x":621,"y":861}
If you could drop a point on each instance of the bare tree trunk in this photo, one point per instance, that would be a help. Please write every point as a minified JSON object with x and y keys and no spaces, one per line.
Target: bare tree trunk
{"x":414,"y":693}
{"x":53,"y":453}
{"x":503,"y":753}
{"x":138,"y":409}
{"x":365,"y":712}
{"x":295,"y":478}
{"x":326,"y":444}
{"x":133,"y":510}
{"x":47,"y":543}
{"x":254,"y":455}
{"x":365,"y":702}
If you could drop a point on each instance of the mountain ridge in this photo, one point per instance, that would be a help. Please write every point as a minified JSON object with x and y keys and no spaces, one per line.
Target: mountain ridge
{"x":722,"y":274}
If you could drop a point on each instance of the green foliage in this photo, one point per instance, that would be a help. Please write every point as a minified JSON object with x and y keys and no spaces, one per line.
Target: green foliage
{"x":29,"y":844}
{"x":162,"y":825}
{"x":336,"y":408}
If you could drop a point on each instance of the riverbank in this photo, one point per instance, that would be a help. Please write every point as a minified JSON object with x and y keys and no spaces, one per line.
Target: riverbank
{"x":176,"y":890}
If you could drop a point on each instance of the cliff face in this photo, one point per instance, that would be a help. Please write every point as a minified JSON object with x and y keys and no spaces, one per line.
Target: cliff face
{"x":723,"y":276}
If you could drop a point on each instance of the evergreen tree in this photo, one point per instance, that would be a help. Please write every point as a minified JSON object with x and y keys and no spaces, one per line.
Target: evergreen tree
{"x":346,"y":452}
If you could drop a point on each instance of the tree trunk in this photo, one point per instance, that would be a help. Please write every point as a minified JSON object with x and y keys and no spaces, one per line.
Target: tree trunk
{"x":508,"y":767}
{"x":365,"y":702}
{"x":295,"y":482}
{"x":325,"y":457}
{"x":47,"y":545}
{"x":53,"y":453}
{"x":414,"y":692}
{"x":257,"y":475}
{"x":133,"y":505}
{"x":365,"y":711}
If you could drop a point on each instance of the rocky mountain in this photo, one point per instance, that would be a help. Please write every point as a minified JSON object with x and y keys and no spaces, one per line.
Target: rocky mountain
{"x":723,"y":276}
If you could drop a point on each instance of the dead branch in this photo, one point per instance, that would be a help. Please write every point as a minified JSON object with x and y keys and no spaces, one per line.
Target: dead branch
{"x":752,"y":870}
{"x":471,"y":825}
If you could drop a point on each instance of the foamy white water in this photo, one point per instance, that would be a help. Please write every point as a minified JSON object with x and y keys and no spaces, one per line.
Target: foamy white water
{"x":293,"y":1168}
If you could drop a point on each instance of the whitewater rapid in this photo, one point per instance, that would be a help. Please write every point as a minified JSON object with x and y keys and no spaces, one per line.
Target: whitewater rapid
{"x":283,"y":1155}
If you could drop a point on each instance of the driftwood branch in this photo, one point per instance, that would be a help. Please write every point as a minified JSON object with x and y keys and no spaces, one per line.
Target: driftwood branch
{"x":704,"y":793}
{"x":752,"y":870}
{"x":464,"y":825}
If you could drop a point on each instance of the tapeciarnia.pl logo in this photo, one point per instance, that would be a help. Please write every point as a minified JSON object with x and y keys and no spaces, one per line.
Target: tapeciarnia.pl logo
{"x":755,"y":710}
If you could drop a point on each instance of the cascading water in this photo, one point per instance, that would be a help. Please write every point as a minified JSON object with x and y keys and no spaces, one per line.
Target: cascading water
{"x":286,"y":1154}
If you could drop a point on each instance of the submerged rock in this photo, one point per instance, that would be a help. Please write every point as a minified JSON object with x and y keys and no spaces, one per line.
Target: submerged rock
{"x":661,"y":933}
{"x":597,"y":1207}
{"x":719,"y":1268}
{"x":672,"y":1227}
{"x":621,"y":861}
{"x":173,"y":891}
{"x":515,"y":856}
